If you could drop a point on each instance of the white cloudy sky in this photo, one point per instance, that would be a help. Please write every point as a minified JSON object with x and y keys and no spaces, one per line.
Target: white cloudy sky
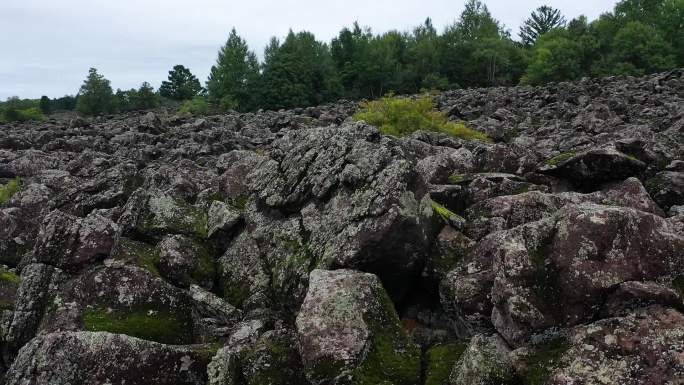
{"x":47,"y":45}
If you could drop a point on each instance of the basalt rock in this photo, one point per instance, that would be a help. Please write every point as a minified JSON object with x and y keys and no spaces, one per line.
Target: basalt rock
{"x":302,"y":247}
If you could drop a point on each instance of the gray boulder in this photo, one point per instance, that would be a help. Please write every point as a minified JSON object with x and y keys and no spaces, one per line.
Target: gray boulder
{"x":349,"y":332}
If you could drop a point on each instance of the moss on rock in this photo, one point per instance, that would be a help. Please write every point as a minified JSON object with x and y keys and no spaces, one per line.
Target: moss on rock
{"x":558,"y":159}
{"x":148,"y":324}
{"x":439,"y":361}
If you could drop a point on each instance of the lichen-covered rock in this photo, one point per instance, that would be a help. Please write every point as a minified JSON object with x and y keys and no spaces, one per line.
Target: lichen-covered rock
{"x":221,"y":218}
{"x":66,"y":241}
{"x":84,"y":358}
{"x":122,"y":299}
{"x":588,"y":169}
{"x":667,"y":189}
{"x":36,"y":290}
{"x":349,"y":332}
{"x":183,"y":261}
{"x":485,"y":361}
{"x":506,"y":212}
{"x":558,"y":271}
{"x":643,"y":347}
{"x":149,"y":214}
{"x":272,"y":359}
{"x":380,"y":224}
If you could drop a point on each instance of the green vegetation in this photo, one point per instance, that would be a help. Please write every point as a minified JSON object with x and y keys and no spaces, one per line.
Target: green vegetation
{"x":558,"y":159}
{"x":144,"y":98}
{"x":440,"y":359}
{"x":160,"y":326}
{"x":181,"y":85}
{"x":8,"y":276}
{"x":95,"y":96}
{"x":9,"y":189}
{"x":543,"y":20}
{"x":634,"y":38}
{"x":444,"y":212}
{"x":17,"y":110}
{"x":393,"y":358}
{"x":543,"y":361}
{"x":403,"y":116}
{"x":197,"y":106}
{"x":138,"y":253}
{"x":232,"y":83}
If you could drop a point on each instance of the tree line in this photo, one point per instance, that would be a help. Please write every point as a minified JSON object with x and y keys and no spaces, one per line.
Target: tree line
{"x":637,"y":37}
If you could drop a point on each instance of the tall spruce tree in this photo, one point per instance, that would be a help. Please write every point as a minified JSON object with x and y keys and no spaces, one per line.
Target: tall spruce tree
{"x":95,"y":96}
{"x":233,"y":80}
{"x":299,"y":72}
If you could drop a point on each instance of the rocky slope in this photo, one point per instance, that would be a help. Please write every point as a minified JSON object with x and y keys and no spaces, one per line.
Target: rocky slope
{"x":301,"y":247}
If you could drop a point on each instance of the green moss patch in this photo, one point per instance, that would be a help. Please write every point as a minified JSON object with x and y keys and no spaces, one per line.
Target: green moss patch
{"x":403,"y":116}
{"x":138,"y":253}
{"x":444,"y":212}
{"x":460,"y":178}
{"x":558,"y":159}
{"x":9,"y":189}
{"x":160,"y":326}
{"x":544,"y":360}
{"x":439,"y":360}
{"x":393,"y":358}
{"x":8,"y":276}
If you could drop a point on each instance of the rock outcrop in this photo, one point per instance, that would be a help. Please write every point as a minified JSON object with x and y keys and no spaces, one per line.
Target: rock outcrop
{"x":303,"y":247}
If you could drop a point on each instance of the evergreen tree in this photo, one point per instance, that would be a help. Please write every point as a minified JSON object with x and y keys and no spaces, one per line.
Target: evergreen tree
{"x":299,"y":72}
{"x":95,"y":96}
{"x":542,"y":20}
{"x":45,"y":105}
{"x":233,"y":80}
{"x":478,"y":51}
{"x":181,"y":84}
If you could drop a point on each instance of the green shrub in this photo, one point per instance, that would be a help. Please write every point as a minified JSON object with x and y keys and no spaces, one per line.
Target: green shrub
{"x":25,"y":115}
{"x":9,"y":189}
{"x":198,"y":106}
{"x":402,"y":116}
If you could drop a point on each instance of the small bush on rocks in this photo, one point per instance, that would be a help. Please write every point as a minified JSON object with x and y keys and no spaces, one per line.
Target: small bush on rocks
{"x":402,"y":116}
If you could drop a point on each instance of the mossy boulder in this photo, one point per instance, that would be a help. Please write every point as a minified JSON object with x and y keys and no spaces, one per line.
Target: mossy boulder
{"x":273,"y":359}
{"x":122,"y":299}
{"x":349,"y":332}
{"x":440,"y":360}
{"x":184,"y":261}
{"x":588,"y":169}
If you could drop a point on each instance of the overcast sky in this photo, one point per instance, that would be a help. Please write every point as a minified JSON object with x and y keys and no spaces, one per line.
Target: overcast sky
{"x":47,"y":46}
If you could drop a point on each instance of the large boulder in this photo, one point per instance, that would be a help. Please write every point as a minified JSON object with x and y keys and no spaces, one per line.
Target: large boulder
{"x":589,"y":169}
{"x":559,"y":271}
{"x":66,"y":241}
{"x":485,"y":361}
{"x":349,"y":332}
{"x":84,"y":358}
{"x":150,"y":214}
{"x":122,"y":299}
{"x":667,"y":189}
{"x":644,"y":347}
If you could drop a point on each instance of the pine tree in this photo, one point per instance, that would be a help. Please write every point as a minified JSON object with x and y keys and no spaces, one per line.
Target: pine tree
{"x":233,"y":80}
{"x":182,"y":84}
{"x":95,"y":96}
{"x":542,"y":20}
{"x":45,"y":105}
